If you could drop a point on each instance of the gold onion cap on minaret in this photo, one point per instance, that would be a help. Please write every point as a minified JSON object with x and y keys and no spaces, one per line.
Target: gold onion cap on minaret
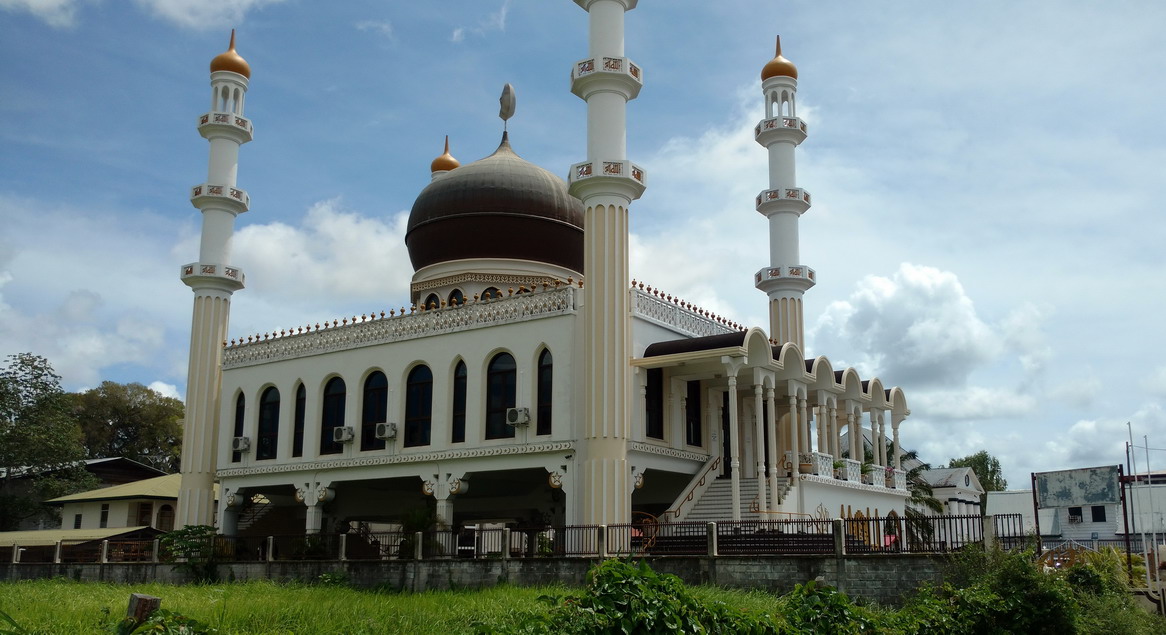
{"x":445,"y":162}
{"x":779,"y":66}
{"x":229,"y":60}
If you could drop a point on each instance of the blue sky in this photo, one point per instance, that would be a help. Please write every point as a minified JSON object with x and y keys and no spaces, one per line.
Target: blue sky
{"x":987,"y":181}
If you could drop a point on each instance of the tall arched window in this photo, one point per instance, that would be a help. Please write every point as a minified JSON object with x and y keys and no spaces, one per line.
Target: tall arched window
{"x":545,"y":373}
{"x":375,"y":410}
{"x":456,"y":297}
{"x":268,"y":424}
{"x":431,"y":302}
{"x":501,"y":382}
{"x":240,"y":411}
{"x":458,"y":421}
{"x":165,"y":518}
{"x":298,"y":425}
{"x":332,"y":415}
{"x":418,"y":406}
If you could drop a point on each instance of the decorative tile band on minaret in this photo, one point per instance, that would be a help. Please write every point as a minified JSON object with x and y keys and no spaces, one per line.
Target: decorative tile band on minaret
{"x":607,"y":182}
{"x":785,"y":280}
{"x":213,"y":280}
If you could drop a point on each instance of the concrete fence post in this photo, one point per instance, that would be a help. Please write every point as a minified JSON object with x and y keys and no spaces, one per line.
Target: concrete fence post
{"x":505,"y":543}
{"x":270,"y":549}
{"x":989,"y":533}
{"x":57,"y":551}
{"x":156,"y":555}
{"x":418,"y":552}
{"x":839,"y":526}
{"x":15,"y":553}
{"x":104,"y":552}
{"x":711,"y":538}
{"x":601,"y":538}
{"x":343,"y":547}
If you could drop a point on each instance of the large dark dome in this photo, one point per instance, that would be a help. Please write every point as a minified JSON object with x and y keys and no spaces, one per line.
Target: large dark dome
{"x":498,"y":207}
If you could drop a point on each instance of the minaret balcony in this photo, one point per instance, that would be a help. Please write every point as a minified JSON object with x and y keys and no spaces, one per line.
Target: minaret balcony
{"x":210,"y":195}
{"x":606,"y":73}
{"x":777,"y":129}
{"x":226,"y":123}
{"x":784,"y":199}
{"x":623,"y":177}
{"x":784,"y":277}
{"x":202,"y":274}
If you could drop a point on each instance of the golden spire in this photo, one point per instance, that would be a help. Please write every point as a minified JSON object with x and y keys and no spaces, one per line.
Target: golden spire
{"x":779,"y":66}
{"x":231,"y":61}
{"x":445,"y":162}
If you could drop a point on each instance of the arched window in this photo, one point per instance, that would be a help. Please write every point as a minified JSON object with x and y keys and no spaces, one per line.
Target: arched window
{"x":165,"y":518}
{"x":375,"y":410}
{"x":298,"y":425}
{"x":418,"y":406}
{"x":456,"y":297}
{"x":491,"y":293}
{"x":268,"y":424}
{"x":240,"y":411}
{"x":501,"y":382}
{"x":545,"y":372}
{"x":458,"y":422}
{"x":432,"y":302}
{"x":332,"y":415}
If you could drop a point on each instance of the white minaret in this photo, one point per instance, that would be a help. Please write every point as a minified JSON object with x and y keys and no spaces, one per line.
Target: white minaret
{"x":213,"y":280}
{"x":785,"y":280}
{"x":607,"y":183}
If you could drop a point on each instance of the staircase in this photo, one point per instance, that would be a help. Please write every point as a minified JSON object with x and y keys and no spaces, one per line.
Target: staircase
{"x":253,"y":511}
{"x":717,"y":502}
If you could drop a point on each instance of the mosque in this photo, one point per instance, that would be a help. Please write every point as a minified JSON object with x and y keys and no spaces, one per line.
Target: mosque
{"x":531,"y":381}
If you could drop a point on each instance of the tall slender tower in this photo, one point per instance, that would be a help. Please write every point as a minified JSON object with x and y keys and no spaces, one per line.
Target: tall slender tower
{"x":213,"y":280}
{"x":607,"y":182}
{"x":785,"y":280}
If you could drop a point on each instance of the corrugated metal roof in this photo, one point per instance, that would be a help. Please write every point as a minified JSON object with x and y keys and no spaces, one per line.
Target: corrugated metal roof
{"x":155,"y":488}
{"x":52,"y":536}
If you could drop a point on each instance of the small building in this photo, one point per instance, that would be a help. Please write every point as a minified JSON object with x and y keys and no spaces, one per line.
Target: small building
{"x":147,"y":503}
{"x":958,"y":489}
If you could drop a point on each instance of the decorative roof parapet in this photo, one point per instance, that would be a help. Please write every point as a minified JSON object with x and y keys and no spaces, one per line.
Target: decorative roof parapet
{"x":677,"y":314}
{"x":372,"y":330}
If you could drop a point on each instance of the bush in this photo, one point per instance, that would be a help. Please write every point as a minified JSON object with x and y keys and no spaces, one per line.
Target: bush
{"x":193,"y":549}
{"x":813,"y":608}
{"x":622,"y":597}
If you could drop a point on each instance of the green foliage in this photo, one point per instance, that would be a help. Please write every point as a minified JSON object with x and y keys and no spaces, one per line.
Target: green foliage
{"x":9,"y":625}
{"x":193,"y":550}
{"x":132,"y":421}
{"x":164,"y":622}
{"x":1116,"y":572}
{"x":332,"y":578}
{"x":40,"y":442}
{"x":622,"y":597}
{"x":812,"y":608}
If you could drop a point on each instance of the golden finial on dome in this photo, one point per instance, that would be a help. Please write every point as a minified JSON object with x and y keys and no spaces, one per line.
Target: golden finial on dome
{"x":229,"y":60}
{"x":445,"y":162}
{"x":779,"y":66}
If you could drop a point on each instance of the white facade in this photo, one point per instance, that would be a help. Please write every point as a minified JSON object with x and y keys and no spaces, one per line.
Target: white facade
{"x":533,"y":389}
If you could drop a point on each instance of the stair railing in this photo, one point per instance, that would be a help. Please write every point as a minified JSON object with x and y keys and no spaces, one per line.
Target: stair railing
{"x":696,"y":488}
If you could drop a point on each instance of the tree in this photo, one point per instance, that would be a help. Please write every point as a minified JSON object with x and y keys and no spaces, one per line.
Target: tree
{"x":40,"y":442}
{"x":131,"y":421}
{"x":988,"y":471}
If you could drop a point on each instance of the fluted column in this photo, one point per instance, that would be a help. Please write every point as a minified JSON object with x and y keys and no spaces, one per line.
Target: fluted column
{"x":759,"y":445}
{"x":775,"y":456}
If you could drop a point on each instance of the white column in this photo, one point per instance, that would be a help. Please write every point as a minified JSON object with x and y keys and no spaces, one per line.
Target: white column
{"x":775,"y":455}
{"x":759,"y":446}
{"x":794,"y":444}
{"x":734,"y":449}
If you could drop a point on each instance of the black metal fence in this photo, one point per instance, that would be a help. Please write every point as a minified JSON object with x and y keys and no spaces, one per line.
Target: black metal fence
{"x":887,"y":535}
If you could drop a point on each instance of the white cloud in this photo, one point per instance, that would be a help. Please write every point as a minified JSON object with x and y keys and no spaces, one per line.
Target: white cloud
{"x":495,"y":21}
{"x":383,"y":27}
{"x":1155,"y":383}
{"x":57,"y":13}
{"x":203,"y":14}
{"x":165,"y":389}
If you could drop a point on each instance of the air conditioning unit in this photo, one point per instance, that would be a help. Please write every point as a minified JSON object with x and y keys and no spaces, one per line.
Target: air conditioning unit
{"x":1074,"y":519}
{"x":517,"y":416}
{"x":241,"y":444}
{"x":343,"y":434}
{"x":387,"y":430}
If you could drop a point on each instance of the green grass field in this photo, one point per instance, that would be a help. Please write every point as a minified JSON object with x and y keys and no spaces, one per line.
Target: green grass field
{"x":66,"y":607}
